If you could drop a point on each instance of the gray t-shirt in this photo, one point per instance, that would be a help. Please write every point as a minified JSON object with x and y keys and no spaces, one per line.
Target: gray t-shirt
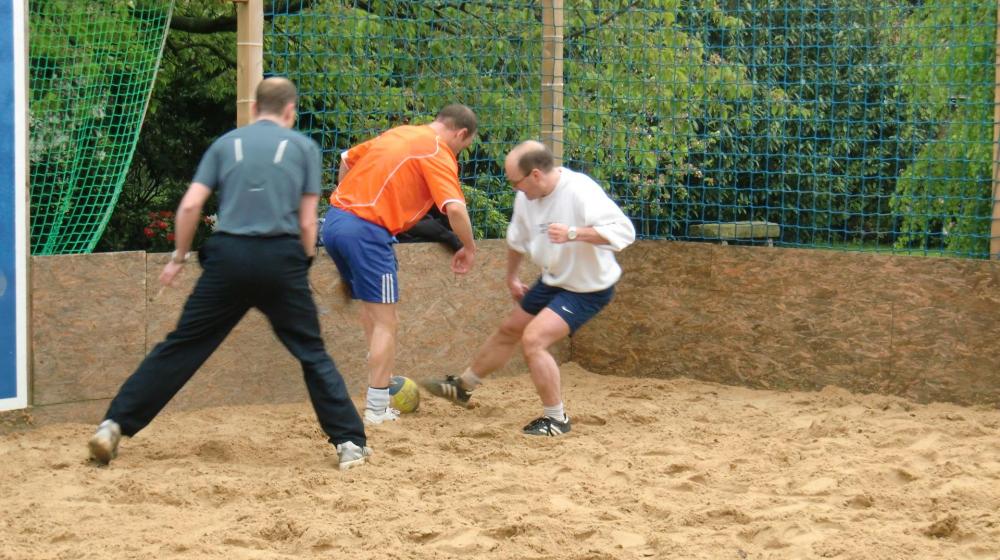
{"x":260,"y":173}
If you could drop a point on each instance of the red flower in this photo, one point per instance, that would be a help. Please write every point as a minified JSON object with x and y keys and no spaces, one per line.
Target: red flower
{"x":161,"y":225}
{"x":170,"y":237}
{"x":148,"y":232}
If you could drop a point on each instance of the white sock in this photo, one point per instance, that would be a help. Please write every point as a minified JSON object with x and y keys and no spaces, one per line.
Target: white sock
{"x":469,"y":379}
{"x":556,"y":412}
{"x":378,"y":399}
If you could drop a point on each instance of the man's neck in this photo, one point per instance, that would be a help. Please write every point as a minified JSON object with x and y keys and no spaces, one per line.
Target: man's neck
{"x":269,"y":118}
{"x":552,"y":180}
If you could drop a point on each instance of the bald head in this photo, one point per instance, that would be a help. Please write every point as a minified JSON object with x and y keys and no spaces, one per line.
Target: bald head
{"x":274,"y":95}
{"x":531,"y":154}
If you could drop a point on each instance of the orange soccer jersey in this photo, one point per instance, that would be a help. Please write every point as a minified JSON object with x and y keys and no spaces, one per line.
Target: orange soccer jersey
{"x":392,"y":180}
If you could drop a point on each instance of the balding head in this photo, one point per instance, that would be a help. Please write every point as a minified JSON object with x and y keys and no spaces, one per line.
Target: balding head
{"x":274,"y":95}
{"x":529,"y":155}
{"x":530,"y":168}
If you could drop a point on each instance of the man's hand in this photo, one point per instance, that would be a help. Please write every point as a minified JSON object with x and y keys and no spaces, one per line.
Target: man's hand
{"x":517,"y":288}
{"x":558,"y":233}
{"x":170,"y":273}
{"x":461,"y":261}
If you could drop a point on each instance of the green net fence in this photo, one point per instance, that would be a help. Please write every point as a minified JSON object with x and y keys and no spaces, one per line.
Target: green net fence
{"x":363,"y":68}
{"x":92,"y":66}
{"x":859,"y":124}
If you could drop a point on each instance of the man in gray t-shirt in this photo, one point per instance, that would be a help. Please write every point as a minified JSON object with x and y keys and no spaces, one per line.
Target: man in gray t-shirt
{"x":267,"y":178}
{"x":260,"y":173}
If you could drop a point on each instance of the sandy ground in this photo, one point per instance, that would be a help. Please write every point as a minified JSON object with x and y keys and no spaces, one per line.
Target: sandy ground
{"x":653,"y":469}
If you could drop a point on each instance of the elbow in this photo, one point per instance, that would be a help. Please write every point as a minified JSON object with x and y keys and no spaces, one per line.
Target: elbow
{"x":190,"y":208}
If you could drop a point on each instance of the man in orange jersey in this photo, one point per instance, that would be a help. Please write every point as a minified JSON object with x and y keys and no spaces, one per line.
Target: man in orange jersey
{"x":387,"y":185}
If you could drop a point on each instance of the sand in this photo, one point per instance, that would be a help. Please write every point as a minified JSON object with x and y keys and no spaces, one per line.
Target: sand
{"x":652,"y":469}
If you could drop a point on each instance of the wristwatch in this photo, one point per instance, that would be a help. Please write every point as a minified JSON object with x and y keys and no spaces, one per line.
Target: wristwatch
{"x":178,"y":259}
{"x":571,"y":233}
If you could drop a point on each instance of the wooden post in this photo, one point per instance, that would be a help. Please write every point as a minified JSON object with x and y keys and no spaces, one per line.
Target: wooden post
{"x":995,"y":226}
{"x":552,"y":77}
{"x":249,"y":55}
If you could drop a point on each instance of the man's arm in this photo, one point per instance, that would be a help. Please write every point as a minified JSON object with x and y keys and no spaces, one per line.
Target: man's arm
{"x":185,"y":224}
{"x":461,"y":224}
{"x":188,"y":216}
{"x":458,"y":216}
{"x":307,"y":223}
{"x":559,"y":233}
{"x":514,"y":284}
{"x":608,"y":226}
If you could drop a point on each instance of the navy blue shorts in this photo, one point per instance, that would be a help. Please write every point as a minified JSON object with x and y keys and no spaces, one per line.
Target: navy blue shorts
{"x":364,"y":256}
{"x":574,"y":307}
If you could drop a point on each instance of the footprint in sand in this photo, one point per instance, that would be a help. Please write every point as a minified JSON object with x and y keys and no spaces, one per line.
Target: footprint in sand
{"x":508,"y":531}
{"x":465,"y":541}
{"x":589,"y":420}
{"x":398,"y":451}
{"x":484,"y":411}
{"x":560,"y":472}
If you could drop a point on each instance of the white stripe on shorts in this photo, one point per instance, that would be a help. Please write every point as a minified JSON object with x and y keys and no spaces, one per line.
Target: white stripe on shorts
{"x":388,"y":289}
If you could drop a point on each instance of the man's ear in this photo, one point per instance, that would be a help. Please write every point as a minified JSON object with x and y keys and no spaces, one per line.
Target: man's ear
{"x":289,"y":114}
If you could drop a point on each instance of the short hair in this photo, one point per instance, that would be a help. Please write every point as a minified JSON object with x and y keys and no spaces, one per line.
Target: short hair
{"x":457,"y":116}
{"x":273,"y":94}
{"x":535,"y":155}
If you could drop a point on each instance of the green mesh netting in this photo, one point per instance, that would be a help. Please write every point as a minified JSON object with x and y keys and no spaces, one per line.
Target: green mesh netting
{"x":361,"y":70}
{"x":92,"y":67}
{"x":855,"y":124}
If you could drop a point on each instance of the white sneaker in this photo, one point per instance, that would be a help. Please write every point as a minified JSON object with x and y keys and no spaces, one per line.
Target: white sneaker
{"x":350,"y":455}
{"x":104,"y":443}
{"x":389,"y":415}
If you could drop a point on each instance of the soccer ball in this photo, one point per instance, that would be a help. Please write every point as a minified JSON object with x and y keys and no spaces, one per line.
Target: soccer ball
{"x":404,"y":395}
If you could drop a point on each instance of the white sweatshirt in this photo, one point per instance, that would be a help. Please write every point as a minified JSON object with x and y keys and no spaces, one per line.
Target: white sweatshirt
{"x":576,"y":266}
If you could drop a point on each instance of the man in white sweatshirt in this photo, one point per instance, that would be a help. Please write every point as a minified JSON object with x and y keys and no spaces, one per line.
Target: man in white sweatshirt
{"x":567,"y":225}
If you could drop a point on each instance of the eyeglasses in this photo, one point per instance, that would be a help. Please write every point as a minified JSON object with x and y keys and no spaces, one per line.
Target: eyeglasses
{"x":519,"y":181}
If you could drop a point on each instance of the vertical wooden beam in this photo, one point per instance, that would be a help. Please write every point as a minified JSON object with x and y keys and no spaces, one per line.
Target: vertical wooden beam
{"x":552,"y":77}
{"x":249,"y":55}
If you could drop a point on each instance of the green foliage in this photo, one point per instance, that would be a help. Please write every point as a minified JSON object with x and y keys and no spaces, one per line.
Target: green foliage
{"x":852,"y":124}
{"x":945,"y":196}
{"x":92,"y":64}
{"x":192,"y":104}
{"x":777,"y":112}
{"x":363,"y":68}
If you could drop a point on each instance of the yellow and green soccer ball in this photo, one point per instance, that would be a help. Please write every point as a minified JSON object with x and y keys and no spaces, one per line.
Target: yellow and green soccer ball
{"x":404,"y":395}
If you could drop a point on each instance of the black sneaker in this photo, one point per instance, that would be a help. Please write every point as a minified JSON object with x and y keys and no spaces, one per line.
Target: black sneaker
{"x":545,"y":426}
{"x":448,"y":388}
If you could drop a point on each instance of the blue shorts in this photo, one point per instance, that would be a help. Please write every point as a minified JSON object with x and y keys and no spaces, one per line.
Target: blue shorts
{"x":574,"y":307}
{"x":364,"y":256}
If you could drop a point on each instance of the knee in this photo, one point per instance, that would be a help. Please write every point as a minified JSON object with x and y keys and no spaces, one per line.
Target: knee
{"x":509,"y":333}
{"x":388,"y":319}
{"x":532,"y":344}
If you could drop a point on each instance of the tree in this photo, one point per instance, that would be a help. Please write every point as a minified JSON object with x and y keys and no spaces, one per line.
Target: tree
{"x":192,"y":103}
{"x":945,"y":196}
{"x":701,"y":111}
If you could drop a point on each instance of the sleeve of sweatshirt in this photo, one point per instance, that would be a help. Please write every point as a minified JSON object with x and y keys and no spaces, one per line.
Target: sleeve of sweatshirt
{"x":608,"y":219}
{"x":518,"y":232}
